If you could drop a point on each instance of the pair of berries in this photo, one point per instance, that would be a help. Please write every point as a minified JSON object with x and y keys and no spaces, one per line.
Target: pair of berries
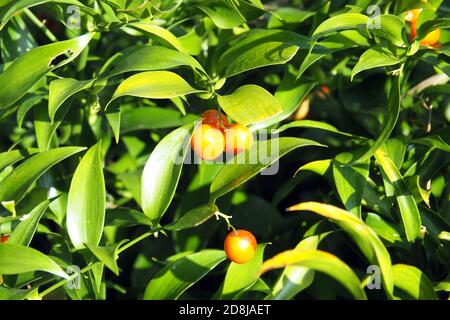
{"x":431,"y":39}
{"x":240,"y":246}
{"x":215,"y":135}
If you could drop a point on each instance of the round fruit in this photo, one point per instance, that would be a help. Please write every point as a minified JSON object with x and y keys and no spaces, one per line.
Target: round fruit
{"x":238,"y":138}
{"x":213,"y":118}
{"x":4,"y":238}
{"x":431,"y":39}
{"x":413,"y":15}
{"x":240,"y":246}
{"x":208,"y":142}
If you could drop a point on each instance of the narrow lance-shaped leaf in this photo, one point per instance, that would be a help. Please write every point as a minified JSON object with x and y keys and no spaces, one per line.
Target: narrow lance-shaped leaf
{"x":320,"y":261}
{"x":15,"y":185}
{"x":248,"y":164}
{"x":413,"y":283}
{"x":14,"y":85}
{"x":366,"y":239}
{"x":16,"y":259}
{"x":162,"y":172}
{"x":178,"y":276}
{"x":87,"y":200}
{"x":405,"y":200}
{"x":249,"y":104}
{"x":24,"y":232}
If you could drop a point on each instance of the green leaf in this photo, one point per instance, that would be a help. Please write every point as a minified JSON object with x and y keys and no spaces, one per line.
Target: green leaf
{"x":108,"y":255}
{"x":259,"y":48}
{"x":125,"y":217}
{"x":18,"y":259}
{"x":342,"y":22}
{"x":289,"y":16}
{"x":351,"y":181}
{"x":179,"y":275}
{"x":15,"y":185}
{"x":14,"y":7}
{"x":24,"y":232}
{"x":412,"y":282}
{"x":162,"y":172}
{"x":362,"y":235}
{"x":149,"y":58}
{"x":392,"y":116}
{"x":389,"y":27}
{"x":429,"y":26}
{"x":62,"y":89}
{"x":8,"y":158}
{"x":87,"y":200}
{"x":242,"y":276}
{"x":405,"y":200}
{"x":17,"y":294}
{"x":194,"y":217}
{"x":265,"y":153}
{"x":249,"y":104}
{"x":295,"y":278}
{"x":384,"y":229}
{"x":13,"y":84}
{"x":312,"y":124}
{"x":319,"y":261}
{"x":160,"y":32}
{"x":320,"y":167}
{"x":290,"y":94}
{"x":374,"y":58}
{"x":154,"y":85}
{"x":222,"y":16}
{"x":26,"y":106}
{"x":150,"y":118}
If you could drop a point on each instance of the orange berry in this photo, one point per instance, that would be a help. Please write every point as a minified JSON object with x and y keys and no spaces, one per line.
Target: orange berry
{"x":212,"y":117}
{"x":240,"y":246}
{"x":238,"y":138}
{"x":208,"y":142}
{"x":431,"y":39}
{"x":413,"y":15}
{"x":4,"y":238}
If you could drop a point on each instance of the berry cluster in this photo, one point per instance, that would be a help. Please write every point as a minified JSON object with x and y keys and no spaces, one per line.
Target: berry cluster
{"x":215,"y":135}
{"x":431,"y":39}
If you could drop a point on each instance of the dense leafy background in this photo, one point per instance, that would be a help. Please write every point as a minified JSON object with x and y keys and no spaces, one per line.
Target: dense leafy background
{"x":96,"y":103}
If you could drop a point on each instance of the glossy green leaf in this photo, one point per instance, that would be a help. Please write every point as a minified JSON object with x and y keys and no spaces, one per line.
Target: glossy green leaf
{"x":366,"y":239}
{"x":290,"y":93}
{"x":342,"y":22}
{"x":14,"y":257}
{"x":16,"y":184}
{"x":62,"y":89}
{"x":374,"y":58}
{"x":263,"y":154}
{"x":149,"y":58}
{"x":150,"y":118}
{"x":160,"y":32}
{"x":17,"y":294}
{"x":13,"y":85}
{"x":242,"y":276}
{"x":413,"y":282}
{"x":107,"y":255}
{"x":154,"y":85}
{"x":319,"y":261}
{"x":387,"y":231}
{"x":321,"y":167}
{"x":313,"y":124}
{"x":194,"y":217}
{"x":405,"y":200}
{"x":259,"y":48}
{"x":389,"y":27}
{"x":9,"y":158}
{"x":25,"y":230}
{"x":249,"y":104}
{"x":179,"y":275}
{"x":350,"y":181}
{"x":87,"y":200}
{"x":294,"y":278}
{"x":125,"y":217}
{"x":162,"y":172}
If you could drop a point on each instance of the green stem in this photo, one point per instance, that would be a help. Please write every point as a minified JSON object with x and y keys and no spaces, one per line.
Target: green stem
{"x":133,"y":242}
{"x":40,"y":25}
